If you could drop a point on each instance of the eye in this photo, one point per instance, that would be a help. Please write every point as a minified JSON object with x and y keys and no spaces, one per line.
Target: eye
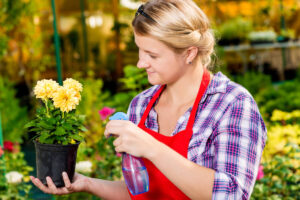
{"x":153,"y":57}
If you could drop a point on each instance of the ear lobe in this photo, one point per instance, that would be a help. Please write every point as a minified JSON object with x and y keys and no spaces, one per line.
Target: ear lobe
{"x":192,"y":53}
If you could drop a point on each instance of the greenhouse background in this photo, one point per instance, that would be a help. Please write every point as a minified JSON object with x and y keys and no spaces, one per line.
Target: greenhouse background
{"x":258,"y":46}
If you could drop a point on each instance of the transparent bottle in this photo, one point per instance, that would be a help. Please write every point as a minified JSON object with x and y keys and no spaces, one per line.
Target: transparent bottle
{"x":134,"y":170}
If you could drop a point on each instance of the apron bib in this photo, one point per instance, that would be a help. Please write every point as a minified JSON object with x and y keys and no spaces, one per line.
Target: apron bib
{"x":159,"y":185}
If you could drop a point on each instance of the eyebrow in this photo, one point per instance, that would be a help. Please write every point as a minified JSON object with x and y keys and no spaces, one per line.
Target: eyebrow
{"x":151,"y":52}
{"x":147,"y":51}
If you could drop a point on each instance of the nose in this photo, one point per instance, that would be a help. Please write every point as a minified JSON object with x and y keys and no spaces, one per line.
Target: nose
{"x":142,"y":64}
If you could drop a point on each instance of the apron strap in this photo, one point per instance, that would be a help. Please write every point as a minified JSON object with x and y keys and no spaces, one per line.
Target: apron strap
{"x":151,"y":103}
{"x":203,"y":86}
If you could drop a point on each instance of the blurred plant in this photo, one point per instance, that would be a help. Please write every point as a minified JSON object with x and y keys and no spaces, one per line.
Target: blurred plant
{"x":12,"y":122}
{"x":234,"y":31}
{"x":281,"y":178}
{"x":84,"y":167}
{"x":253,"y":81}
{"x":16,"y":185}
{"x":260,"y":173}
{"x":92,"y":101}
{"x":262,"y":36}
{"x":105,"y":112}
{"x":282,"y":97}
{"x":281,"y":159}
{"x":3,"y":44}
{"x":108,"y":164}
{"x":134,"y":81}
{"x":283,"y":134}
{"x":22,"y":40}
{"x":286,"y":117}
{"x":285,"y":35}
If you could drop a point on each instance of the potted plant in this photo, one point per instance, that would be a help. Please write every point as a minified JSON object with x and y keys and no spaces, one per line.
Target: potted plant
{"x":58,"y":129}
{"x":262,"y":37}
{"x":234,"y":31}
{"x":286,"y":35}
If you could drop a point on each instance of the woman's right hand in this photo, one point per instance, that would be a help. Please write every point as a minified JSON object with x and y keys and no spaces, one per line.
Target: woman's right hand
{"x":79,"y":184}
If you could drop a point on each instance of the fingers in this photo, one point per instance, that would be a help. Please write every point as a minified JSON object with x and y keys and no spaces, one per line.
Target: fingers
{"x":117,"y":142}
{"x":50,"y":184}
{"x":114,"y":127}
{"x":39,"y":184}
{"x":67,"y":181}
{"x":51,"y":189}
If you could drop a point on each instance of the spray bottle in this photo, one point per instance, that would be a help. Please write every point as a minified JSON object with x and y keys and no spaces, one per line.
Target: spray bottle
{"x":134,"y":170}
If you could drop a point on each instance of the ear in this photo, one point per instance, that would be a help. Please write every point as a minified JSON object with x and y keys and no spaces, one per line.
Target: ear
{"x":191,"y":54}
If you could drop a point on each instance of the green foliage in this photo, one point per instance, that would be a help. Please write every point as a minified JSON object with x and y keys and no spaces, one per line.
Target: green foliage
{"x":108,"y":166}
{"x":16,"y":191}
{"x":92,"y":100}
{"x":236,"y":28}
{"x":281,"y":178}
{"x":285,"y":97}
{"x":134,"y":81}
{"x":3,"y":45}
{"x":12,"y":122}
{"x":22,"y":39}
{"x":253,"y":81}
{"x":55,"y":127}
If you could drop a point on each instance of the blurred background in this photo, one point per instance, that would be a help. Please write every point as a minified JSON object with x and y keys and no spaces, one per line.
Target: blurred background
{"x":258,"y":46}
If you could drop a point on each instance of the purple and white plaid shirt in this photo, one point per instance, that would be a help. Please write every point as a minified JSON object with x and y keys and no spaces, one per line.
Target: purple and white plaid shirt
{"x":229,"y":134}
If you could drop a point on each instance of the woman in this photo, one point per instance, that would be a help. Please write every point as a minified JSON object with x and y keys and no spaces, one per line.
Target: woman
{"x":201,"y":135}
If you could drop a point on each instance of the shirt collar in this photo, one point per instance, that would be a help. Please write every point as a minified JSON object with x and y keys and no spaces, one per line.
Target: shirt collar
{"x":218,"y":84}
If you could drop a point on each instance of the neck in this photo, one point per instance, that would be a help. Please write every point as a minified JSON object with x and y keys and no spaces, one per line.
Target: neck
{"x":184,"y":90}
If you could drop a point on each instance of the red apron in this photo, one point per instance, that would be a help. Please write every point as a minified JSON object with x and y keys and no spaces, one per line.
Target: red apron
{"x":159,"y":185}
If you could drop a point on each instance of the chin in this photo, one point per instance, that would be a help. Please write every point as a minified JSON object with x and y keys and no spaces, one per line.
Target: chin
{"x":154,"y":81}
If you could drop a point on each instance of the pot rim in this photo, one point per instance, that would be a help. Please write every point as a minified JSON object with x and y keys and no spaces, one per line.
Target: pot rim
{"x":56,"y":145}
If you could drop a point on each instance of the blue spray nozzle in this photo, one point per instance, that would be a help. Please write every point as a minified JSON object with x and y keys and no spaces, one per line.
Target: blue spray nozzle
{"x":119,"y":116}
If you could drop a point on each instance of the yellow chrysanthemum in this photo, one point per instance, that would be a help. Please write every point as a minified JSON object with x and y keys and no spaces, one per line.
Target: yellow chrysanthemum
{"x":66,"y":99}
{"x":72,"y":84}
{"x":296,"y":114}
{"x":45,"y":89}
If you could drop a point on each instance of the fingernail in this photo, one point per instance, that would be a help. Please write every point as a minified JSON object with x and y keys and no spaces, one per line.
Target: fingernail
{"x":64,"y":173}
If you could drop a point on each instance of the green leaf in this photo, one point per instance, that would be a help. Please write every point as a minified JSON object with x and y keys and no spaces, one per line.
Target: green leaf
{"x":43,"y":137}
{"x":59,"y":131}
{"x":30,"y":124}
{"x":67,"y":126}
{"x":82,"y":128}
{"x":45,"y":125}
{"x":77,"y":137}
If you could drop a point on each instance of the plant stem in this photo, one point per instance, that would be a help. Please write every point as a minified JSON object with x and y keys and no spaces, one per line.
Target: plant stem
{"x":63,"y":116}
{"x":46,"y":104}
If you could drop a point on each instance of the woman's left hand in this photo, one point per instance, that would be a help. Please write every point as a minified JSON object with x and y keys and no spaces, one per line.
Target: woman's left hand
{"x":130,"y":138}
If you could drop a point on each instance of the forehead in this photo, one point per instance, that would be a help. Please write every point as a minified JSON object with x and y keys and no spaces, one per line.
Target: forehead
{"x":149,"y":43}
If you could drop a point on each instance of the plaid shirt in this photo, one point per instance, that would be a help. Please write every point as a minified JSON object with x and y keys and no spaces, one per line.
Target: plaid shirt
{"x":228,"y":135}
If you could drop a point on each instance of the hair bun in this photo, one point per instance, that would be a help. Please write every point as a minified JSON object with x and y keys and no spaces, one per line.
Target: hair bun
{"x":196,"y":34}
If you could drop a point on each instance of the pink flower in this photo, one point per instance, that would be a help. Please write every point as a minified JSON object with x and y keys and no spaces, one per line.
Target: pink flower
{"x":260,"y":173}
{"x":119,"y":154}
{"x":1,"y":151}
{"x":9,"y":146}
{"x":105,"y":112}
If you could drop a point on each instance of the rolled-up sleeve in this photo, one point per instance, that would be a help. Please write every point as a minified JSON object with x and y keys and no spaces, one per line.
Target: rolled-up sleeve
{"x":239,"y":139}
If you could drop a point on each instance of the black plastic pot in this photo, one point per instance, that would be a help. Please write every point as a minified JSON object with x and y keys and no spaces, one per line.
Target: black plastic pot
{"x":53,"y":159}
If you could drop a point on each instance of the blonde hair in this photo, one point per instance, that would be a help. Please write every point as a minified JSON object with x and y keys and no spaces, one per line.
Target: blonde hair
{"x":179,"y":24}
